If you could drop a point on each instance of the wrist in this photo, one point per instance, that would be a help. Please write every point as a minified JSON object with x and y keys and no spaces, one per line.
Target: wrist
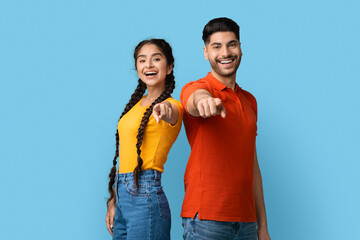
{"x":197,"y":99}
{"x":262,"y":226}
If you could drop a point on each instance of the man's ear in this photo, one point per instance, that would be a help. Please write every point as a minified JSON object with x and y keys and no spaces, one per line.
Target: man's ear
{"x":240,"y":49}
{"x":206,"y":53}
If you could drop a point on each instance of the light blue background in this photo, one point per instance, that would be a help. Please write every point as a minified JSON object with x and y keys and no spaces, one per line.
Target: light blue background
{"x":66,"y":72}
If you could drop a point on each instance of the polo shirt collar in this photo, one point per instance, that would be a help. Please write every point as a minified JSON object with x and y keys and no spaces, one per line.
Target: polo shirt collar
{"x":219,"y":85}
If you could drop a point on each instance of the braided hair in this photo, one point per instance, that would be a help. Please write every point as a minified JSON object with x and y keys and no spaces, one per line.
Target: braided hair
{"x":165,"y":48}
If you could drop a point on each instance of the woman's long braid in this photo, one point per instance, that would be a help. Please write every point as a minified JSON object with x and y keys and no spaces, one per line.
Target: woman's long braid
{"x":135,"y":97}
{"x":169,"y":88}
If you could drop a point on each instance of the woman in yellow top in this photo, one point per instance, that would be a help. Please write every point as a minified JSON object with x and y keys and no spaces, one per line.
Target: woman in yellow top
{"x":149,"y":125}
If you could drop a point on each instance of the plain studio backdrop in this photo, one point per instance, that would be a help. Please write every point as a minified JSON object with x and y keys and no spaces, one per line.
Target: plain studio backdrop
{"x":67,"y":71}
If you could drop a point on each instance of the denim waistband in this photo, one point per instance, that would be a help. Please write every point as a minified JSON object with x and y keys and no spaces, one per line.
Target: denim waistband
{"x":145,"y":175}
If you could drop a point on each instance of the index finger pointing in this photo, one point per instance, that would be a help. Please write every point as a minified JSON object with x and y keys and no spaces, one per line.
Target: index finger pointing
{"x":223,"y":112}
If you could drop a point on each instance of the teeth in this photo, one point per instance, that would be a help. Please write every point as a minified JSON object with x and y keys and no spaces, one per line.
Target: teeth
{"x":223,"y":62}
{"x":150,"y":73}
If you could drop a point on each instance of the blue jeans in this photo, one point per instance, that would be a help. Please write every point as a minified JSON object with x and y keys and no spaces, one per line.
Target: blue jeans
{"x":196,"y":229}
{"x":142,"y":213}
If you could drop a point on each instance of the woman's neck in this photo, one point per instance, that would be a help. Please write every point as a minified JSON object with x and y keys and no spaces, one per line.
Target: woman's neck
{"x":152,"y":95}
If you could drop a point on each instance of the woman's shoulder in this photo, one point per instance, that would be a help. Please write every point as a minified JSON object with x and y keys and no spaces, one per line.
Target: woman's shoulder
{"x":173,"y":101}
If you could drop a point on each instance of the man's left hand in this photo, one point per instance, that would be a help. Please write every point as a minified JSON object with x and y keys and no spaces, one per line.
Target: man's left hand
{"x":263,"y":234}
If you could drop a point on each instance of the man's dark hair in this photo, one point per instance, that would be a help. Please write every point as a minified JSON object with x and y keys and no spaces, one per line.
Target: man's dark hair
{"x":220,"y":25}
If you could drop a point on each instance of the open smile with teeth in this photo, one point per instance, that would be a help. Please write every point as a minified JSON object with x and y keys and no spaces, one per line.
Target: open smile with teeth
{"x":226,"y":61}
{"x":150,"y":73}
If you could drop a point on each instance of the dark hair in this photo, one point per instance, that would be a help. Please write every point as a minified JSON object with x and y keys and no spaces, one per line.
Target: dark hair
{"x":220,"y":25}
{"x":165,"y":48}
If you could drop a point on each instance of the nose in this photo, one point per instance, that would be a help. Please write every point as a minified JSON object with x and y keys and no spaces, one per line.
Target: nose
{"x":149,"y":64}
{"x":225,"y":52}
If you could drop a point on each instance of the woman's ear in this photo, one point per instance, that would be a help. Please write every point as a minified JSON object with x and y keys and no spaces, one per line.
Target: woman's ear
{"x":170,"y":68}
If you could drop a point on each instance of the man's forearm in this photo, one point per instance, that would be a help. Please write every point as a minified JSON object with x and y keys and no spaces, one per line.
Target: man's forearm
{"x":191,"y":106}
{"x":259,"y":200}
{"x":259,"y":196}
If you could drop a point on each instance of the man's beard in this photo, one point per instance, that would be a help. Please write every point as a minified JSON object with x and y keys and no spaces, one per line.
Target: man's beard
{"x":218,"y":70}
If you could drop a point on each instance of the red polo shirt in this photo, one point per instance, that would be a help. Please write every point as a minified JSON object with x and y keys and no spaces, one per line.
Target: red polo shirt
{"x":219,"y":174}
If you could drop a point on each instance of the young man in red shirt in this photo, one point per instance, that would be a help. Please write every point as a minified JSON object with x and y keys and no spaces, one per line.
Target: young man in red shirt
{"x":223,"y":186}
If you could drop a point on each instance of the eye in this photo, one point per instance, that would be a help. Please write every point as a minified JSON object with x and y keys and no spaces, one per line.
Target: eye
{"x":141,"y":61}
{"x":232,"y":44}
{"x":216,"y":47}
{"x":157,"y":59}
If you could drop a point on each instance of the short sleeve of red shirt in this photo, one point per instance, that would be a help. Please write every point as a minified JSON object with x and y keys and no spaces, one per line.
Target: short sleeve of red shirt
{"x":252,"y":100}
{"x":190,"y":88}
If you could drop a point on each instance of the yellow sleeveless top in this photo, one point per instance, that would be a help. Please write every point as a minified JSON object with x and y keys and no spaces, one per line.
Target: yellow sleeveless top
{"x":157,"y":141}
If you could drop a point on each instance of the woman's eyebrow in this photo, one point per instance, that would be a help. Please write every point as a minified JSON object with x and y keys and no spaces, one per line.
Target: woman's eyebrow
{"x":154,"y":54}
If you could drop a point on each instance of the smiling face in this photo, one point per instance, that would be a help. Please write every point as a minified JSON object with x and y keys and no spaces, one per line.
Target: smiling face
{"x":224,"y":54}
{"x":151,"y":66}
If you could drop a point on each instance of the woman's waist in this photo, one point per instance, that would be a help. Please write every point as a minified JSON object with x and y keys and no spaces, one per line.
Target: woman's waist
{"x":127,"y":164}
{"x":149,"y":175}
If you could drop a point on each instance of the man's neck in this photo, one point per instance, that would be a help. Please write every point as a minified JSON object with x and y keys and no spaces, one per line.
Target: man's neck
{"x":227,"y":81}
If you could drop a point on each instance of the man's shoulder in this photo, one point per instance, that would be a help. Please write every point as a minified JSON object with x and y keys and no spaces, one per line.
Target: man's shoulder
{"x":250,"y":97}
{"x":190,"y":87}
{"x":201,"y":81}
{"x":248,"y":94}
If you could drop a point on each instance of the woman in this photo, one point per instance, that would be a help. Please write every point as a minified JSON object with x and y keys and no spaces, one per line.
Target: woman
{"x":147,"y":128}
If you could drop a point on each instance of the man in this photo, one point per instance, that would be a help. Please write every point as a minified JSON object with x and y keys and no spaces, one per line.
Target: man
{"x":223,"y":186}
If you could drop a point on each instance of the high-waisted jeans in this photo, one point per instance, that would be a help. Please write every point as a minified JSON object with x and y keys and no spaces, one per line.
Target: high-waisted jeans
{"x":142,"y":213}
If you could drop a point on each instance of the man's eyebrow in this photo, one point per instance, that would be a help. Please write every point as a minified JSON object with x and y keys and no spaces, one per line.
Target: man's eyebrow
{"x":215,"y":43}
{"x":233,"y":41}
{"x":155,"y":54}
